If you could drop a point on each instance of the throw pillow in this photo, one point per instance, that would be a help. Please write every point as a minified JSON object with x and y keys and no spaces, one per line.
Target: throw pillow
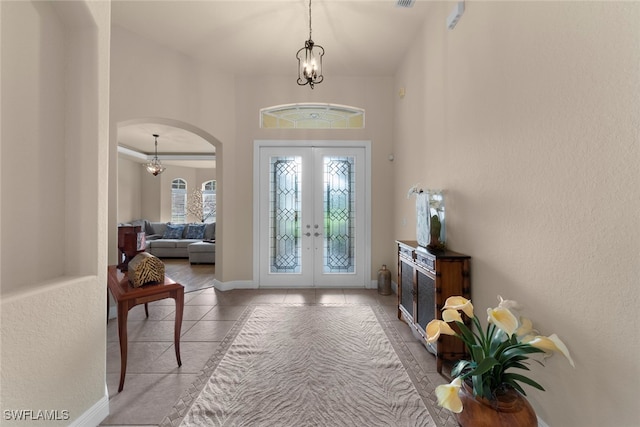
{"x":173,"y":231}
{"x":195,"y":231}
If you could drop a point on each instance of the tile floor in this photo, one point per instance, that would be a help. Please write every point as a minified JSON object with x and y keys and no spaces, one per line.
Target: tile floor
{"x":154,"y":382}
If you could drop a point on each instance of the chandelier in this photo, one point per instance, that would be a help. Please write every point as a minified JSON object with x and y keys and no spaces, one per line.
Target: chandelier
{"x":154,"y":167}
{"x":310,"y":60}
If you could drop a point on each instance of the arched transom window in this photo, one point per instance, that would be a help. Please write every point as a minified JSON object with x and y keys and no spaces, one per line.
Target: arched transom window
{"x":312,"y":116}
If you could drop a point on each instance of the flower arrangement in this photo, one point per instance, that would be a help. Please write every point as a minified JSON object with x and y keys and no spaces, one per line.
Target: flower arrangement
{"x":506,"y":344}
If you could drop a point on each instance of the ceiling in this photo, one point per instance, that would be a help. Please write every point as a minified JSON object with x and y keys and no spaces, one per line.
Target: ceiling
{"x":247,"y":37}
{"x":177,"y":147}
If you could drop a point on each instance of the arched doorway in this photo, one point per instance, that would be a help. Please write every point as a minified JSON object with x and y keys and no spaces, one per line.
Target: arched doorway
{"x":181,"y":146}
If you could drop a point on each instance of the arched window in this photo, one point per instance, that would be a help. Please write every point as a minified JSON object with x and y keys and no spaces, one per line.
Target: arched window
{"x":209,"y":201}
{"x":312,"y":116}
{"x":178,"y":201}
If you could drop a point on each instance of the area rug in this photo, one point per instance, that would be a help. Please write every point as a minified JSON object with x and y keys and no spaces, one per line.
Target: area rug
{"x":305,"y":365}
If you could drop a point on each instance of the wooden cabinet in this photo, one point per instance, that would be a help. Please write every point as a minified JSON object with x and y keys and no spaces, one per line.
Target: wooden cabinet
{"x":425,"y":281}
{"x":131,"y":241}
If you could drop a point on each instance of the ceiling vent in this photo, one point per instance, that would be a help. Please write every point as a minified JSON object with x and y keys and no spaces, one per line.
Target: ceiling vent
{"x":405,"y":3}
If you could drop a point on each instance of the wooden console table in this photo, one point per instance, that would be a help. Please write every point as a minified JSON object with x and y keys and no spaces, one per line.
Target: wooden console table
{"x":425,"y":281}
{"x":127,"y":297}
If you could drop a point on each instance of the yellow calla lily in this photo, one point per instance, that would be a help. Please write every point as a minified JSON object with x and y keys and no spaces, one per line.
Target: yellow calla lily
{"x":450,"y":315}
{"x":503,"y":319}
{"x":437,"y":327}
{"x":447,"y":395}
{"x":552,"y":343}
{"x":459,"y":303}
{"x":525,"y":331}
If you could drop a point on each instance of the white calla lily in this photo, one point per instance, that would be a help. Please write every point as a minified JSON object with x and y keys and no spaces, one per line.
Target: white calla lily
{"x":437,"y":327}
{"x":525,"y":331}
{"x":552,"y":343}
{"x":503,"y":319}
{"x":450,"y":315}
{"x":459,"y":303}
{"x":447,"y":395}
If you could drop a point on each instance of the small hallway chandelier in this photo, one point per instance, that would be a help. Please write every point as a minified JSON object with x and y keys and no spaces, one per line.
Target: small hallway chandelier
{"x":154,"y":167}
{"x":310,"y":60}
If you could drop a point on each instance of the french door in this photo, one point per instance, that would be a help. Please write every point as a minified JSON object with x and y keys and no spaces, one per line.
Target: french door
{"x":312,"y":217}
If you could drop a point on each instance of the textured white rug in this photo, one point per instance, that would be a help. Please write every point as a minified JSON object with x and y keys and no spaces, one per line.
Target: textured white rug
{"x":307,"y":366}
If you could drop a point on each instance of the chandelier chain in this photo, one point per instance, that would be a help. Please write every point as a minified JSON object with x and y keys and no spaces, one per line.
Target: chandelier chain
{"x":310,"y":20}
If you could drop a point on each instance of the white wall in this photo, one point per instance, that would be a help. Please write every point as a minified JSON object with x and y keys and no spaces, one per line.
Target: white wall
{"x":55,"y":64}
{"x":527,"y":114}
{"x":129,"y":190}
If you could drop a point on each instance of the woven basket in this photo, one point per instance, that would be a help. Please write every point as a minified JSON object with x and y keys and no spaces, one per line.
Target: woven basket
{"x":144,"y":268}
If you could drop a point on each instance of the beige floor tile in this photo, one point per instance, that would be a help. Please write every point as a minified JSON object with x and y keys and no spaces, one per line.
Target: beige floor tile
{"x":392,"y":311}
{"x":225,"y":312}
{"x":146,"y":398}
{"x":302,"y":296}
{"x":204,"y":298}
{"x":387,"y":300}
{"x":361,"y":296}
{"x":155,"y":330}
{"x":236,"y":297}
{"x":194,"y":356}
{"x":404,"y":330}
{"x":191,"y":312}
{"x":330,"y":296}
{"x":208,"y":330}
{"x":270,"y":296}
{"x":140,"y":356}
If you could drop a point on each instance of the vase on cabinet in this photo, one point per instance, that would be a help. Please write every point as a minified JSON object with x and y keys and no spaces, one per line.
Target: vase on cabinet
{"x":430,"y":220}
{"x":422,"y":219}
{"x":509,"y":409}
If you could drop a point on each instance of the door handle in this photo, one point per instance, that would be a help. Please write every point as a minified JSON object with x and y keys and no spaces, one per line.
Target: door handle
{"x":307,"y":234}
{"x":316,"y":234}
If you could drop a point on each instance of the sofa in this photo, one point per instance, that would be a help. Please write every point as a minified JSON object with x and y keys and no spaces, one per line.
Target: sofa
{"x":166,"y":240}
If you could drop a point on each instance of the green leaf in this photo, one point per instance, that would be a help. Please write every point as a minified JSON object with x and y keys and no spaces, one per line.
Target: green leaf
{"x":519,"y":350}
{"x":478,"y":389}
{"x":511,"y":377}
{"x":484,"y":366}
{"x":467,"y":336}
{"x":460,"y":367}
{"x":476,"y":353}
{"x":517,"y":365}
{"x":516,"y":386}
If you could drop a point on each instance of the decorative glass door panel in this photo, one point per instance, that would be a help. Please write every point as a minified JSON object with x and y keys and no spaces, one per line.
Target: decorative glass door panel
{"x":339,"y":215}
{"x":285,"y":205}
{"x":310,"y":230}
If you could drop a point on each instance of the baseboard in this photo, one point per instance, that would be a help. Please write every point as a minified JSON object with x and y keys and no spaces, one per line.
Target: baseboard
{"x":235,"y":284}
{"x":249,"y":284}
{"x":542,"y":423}
{"x":96,"y":414}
